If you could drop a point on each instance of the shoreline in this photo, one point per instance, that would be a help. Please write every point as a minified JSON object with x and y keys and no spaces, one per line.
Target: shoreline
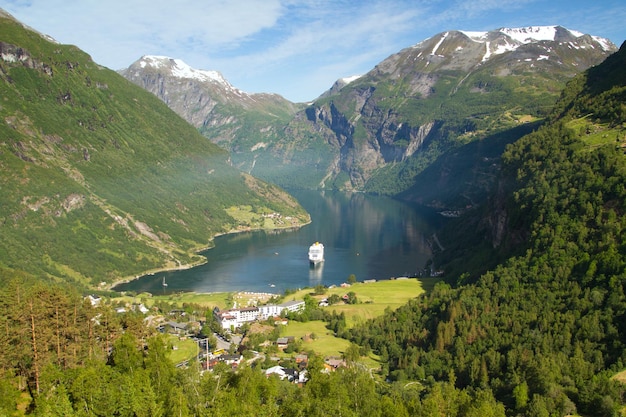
{"x":203,"y":260}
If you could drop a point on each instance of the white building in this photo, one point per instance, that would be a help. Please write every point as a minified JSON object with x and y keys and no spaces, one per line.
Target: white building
{"x":236,"y":317}
{"x":269,"y":310}
{"x":247,"y":314}
{"x":293,"y":306}
{"x":227,"y":320}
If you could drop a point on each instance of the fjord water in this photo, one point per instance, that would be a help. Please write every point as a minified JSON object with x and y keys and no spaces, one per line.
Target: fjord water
{"x":371,"y":237}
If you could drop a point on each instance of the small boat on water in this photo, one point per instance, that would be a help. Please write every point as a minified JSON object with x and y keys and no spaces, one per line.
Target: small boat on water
{"x":316,"y":253}
{"x":164,"y":283}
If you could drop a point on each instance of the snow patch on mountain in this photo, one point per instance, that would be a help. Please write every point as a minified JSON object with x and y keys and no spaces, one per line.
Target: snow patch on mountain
{"x":443,"y":38}
{"x":348,"y":80}
{"x":180,"y":69}
{"x":522,"y":36}
{"x":531,"y":33}
{"x":605,"y":43}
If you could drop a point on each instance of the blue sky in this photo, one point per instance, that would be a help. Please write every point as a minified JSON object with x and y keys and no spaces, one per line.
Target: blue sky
{"x":291,"y":47}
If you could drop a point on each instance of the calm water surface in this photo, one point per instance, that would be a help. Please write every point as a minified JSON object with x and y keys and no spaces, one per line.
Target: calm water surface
{"x":368,"y":236}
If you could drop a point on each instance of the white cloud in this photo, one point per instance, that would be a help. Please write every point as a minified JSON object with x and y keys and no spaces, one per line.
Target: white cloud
{"x":120,"y":29}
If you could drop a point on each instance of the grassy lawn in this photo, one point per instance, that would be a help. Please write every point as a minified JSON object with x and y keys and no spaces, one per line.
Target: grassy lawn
{"x":323,"y":343}
{"x":208,"y":300}
{"x":374,"y":297}
{"x":595,"y":134}
{"x":181,"y":350}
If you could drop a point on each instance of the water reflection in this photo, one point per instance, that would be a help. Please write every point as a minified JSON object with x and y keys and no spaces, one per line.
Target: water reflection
{"x":368,"y":236}
{"x":315,"y":274}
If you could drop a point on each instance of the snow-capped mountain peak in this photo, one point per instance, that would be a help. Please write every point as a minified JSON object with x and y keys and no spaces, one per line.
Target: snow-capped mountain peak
{"x":523,"y":35}
{"x":504,"y":40}
{"x":180,"y":69}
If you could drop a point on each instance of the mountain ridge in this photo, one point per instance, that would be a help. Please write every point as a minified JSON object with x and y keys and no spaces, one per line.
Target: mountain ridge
{"x":394,"y":120}
{"x":442,"y":89}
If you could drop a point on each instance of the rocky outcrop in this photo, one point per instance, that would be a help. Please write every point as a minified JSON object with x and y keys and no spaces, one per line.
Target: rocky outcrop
{"x":16,"y":55}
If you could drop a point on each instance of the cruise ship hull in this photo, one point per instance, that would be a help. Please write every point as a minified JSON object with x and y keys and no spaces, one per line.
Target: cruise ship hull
{"x":316,"y":254}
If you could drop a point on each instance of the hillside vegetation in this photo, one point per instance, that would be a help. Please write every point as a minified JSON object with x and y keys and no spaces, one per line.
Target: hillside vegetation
{"x":99,"y":179}
{"x":544,"y":330}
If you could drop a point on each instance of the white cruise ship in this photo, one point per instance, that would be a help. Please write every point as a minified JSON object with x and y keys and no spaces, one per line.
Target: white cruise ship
{"x":316,"y":253}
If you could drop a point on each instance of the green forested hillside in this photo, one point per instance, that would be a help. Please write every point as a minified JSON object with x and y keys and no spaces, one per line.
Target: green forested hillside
{"x":99,"y":179}
{"x":544,"y":330}
{"x":65,"y":357}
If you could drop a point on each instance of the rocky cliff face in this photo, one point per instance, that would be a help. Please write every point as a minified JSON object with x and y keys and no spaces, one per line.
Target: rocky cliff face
{"x":446,"y":91}
{"x":191,"y":93}
{"x":377,"y":132}
{"x":208,"y":101}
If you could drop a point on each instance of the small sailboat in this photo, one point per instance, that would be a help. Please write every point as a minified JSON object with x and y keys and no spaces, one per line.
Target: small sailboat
{"x":164,"y":283}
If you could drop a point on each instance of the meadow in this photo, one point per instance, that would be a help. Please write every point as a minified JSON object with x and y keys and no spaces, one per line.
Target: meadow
{"x":373,"y":298}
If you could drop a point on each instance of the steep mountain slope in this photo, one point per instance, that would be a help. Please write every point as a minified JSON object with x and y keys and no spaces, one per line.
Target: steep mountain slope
{"x":378,"y":131}
{"x":237,"y":121}
{"x":444,"y":92}
{"x":99,"y":179}
{"x":544,"y":329}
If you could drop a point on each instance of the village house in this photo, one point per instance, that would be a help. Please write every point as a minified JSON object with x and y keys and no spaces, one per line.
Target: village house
{"x":331,"y":364}
{"x":282,"y":343}
{"x":173,"y":328}
{"x":94,"y":300}
{"x":292,"y":375}
{"x":231,"y":360}
{"x":280,"y":321}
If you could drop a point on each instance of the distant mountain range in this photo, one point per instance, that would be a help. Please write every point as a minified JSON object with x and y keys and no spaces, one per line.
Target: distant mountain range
{"x":377,"y":132}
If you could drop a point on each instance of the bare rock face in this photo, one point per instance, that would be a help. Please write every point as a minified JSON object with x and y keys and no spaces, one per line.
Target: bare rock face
{"x":451,"y":89}
{"x":207,"y":100}
{"x":73,"y":202}
{"x":15,"y":54}
{"x":423,"y":99}
{"x":193,"y":95}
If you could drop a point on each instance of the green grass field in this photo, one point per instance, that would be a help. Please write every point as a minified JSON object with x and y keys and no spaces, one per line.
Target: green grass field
{"x":208,"y":300}
{"x":596,"y":135}
{"x":375,"y":297}
{"x":181,"y":350}
{"x":323,"y":343}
